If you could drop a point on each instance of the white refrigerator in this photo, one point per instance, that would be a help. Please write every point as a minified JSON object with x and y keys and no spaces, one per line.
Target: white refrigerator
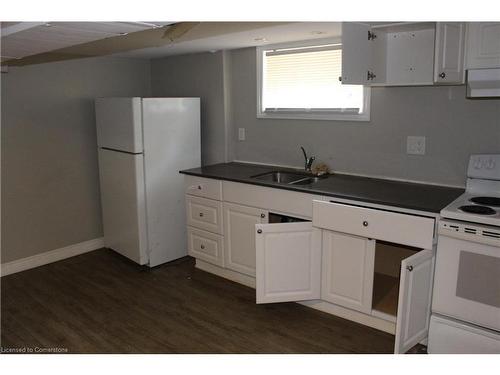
{"x":142,"y":145}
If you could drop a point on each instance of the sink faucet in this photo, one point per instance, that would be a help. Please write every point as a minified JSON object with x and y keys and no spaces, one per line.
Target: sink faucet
{"x":307,"y":160}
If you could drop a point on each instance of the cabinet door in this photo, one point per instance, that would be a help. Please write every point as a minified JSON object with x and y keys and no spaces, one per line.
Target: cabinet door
{"x":449,"y":52}
{"x":239,"y":236}
{"x":347,"y":270}
{"x":483,"y":45}
{"x":288,"y":262}
{"x":414,"y":304}
{"x":357,"y":53}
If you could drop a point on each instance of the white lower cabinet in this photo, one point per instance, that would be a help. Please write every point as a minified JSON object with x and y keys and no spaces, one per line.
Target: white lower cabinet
{"x":385,"y":280}
{"x":239,"y":236}
{"x":414,"y":303}
{"x":347,"y":270}
{"x":369,"y":265}
{"x":205,"y":246}
{"x":288,"y":262}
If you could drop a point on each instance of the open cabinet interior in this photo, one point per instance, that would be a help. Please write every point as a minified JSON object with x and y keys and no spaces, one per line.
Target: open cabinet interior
{"x":386,"y":277}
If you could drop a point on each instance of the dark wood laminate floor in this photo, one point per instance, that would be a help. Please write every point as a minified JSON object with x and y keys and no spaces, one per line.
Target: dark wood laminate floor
{"x":100,"y":302}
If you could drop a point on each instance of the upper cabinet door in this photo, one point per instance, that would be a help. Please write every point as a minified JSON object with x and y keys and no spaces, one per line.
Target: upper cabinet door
{"x":483,"y":45}
{"x":288,"y":262}
{"x":414,"y":304}
{"x":347,"y":270}
{"x":357,"y":53}
{"x":119,"y":124}
{"x":449,"y":52}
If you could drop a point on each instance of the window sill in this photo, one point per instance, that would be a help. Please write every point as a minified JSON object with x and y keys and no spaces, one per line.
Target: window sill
{"x":315,"y":116}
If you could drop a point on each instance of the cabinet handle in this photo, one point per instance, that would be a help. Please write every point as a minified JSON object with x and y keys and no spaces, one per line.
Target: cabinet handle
{"x":365,"y":223}
{"x":202,"y":247}
{"x":201,"y":214}
{"x":259,"y":231}
{"x":442,"y":75}
{"x":263,"y":215}
{"x":409,"y":268}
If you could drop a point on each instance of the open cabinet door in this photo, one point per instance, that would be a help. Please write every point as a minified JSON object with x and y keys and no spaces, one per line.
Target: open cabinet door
{"x":414,"y":305}
{"x":288,"y":262}
{"x":357,"y":53}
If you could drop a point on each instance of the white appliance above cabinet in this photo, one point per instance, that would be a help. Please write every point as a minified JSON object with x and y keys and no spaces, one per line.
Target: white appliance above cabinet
{"x":403,"y":54}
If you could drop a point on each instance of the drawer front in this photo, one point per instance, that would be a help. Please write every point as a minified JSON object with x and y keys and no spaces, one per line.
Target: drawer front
{"x":394,"y":227}
{"x":279,"y":200}
{"x":204,"y":214}
{"x":203,"y":187}
{"x":206,"y":246}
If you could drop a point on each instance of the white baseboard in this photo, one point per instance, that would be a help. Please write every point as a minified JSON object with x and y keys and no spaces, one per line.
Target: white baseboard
{"x":51,"y":256}
{"x":226,"y":273}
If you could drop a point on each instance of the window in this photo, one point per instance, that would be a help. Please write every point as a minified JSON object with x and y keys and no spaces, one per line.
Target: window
{"x":301,"y":81}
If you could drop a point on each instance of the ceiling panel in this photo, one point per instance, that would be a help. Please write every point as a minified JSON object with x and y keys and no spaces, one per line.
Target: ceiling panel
{"x":39,"y":38}
{"x":262,"y":35}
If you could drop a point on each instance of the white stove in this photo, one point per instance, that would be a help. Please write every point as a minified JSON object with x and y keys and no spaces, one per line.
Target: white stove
{"x":466,"y":291}
{"x":481,"y":201}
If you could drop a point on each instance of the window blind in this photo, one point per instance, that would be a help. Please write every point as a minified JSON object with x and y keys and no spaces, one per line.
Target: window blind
{"x":307,"y":79}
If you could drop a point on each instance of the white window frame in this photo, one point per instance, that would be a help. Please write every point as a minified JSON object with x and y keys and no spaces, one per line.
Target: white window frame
{"x":301,"y":114}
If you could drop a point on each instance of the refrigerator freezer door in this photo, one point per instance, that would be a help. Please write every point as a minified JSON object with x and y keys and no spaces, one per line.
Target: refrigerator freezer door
{"x":119,"y":124}
{"x":171,"y":143}
{"x":123,"y":203}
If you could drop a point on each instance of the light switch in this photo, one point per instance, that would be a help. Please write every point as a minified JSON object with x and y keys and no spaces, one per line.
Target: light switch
{"x":241,"y":134}
{"x":415,"y":145}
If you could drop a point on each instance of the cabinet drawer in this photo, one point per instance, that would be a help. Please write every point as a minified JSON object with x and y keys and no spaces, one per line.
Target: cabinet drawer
{"x":203,"y":187}
{"x":204,"y":214}
{"x":206,"y":246}
{"x":394,"y":227}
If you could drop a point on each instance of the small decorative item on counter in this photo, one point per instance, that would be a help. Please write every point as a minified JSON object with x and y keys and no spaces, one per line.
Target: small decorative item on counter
{"x":320,"y":169}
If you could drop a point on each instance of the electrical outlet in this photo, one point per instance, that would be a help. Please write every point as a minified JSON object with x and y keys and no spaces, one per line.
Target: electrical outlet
{"x":415,"y":145}
{"x":241,"y":134}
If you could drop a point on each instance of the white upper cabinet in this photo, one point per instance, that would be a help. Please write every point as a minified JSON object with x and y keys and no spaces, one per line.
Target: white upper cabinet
{"x":449,"y":54}
{"x":402,"y":54}
{"x":288,"y":258}
{"x":483,"y":45}
{"x":356,"y":53}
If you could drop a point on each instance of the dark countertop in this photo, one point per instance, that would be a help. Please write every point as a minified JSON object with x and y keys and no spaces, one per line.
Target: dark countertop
{"x":422,"y":197}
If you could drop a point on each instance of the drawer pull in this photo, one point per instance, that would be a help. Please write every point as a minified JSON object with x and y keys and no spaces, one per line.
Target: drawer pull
{"x":365,"y":223}
{"x":409,"y":268}
{"x":201,"y":214}
{"x":259,"y":231}
{"x":202,"y":247}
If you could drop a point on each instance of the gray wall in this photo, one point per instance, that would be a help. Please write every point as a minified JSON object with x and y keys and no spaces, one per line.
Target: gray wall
{"x":199,"y":75}
{"x":50,"y":188}
{"x":454,"y":127}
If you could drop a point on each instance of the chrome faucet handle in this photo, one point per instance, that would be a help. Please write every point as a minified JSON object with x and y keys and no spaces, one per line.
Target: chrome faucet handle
{"x":307,"y":160}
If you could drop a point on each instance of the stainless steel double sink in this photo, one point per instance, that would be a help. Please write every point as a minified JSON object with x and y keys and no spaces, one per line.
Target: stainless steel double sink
{"x":288,"y":178}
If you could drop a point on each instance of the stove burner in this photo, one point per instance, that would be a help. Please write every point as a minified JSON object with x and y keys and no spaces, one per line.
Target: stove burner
{"x":488,"y":201}
{"x":480,"y":210}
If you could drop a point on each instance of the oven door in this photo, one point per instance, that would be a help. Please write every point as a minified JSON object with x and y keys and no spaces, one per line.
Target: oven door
{"x":467,"y":280}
